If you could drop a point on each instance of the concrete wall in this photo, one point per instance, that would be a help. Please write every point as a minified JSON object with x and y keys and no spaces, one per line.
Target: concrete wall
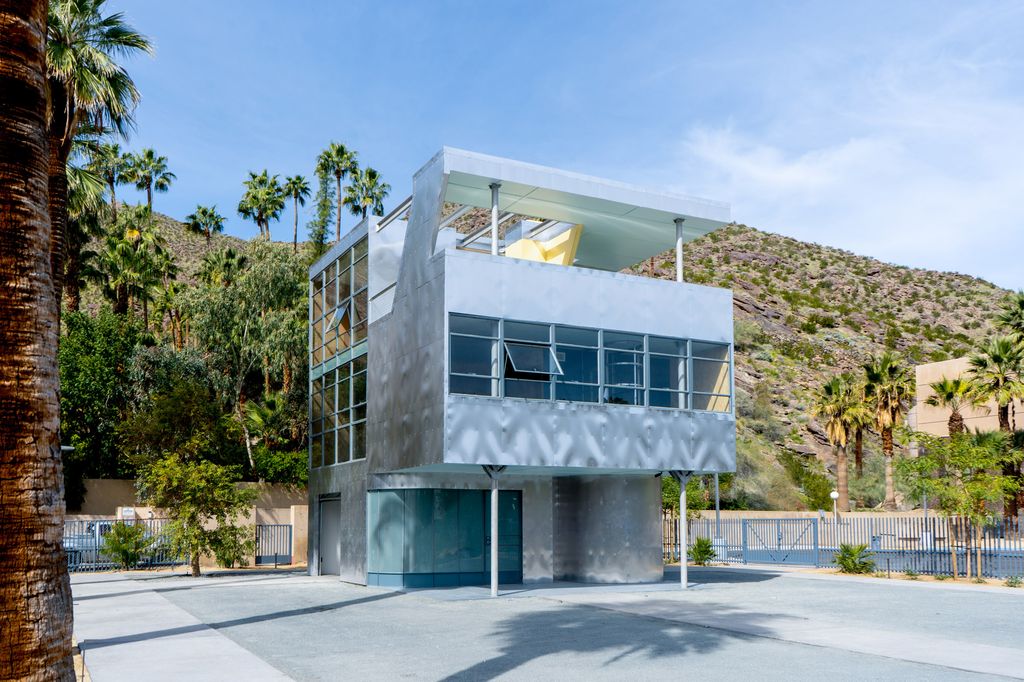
{"x":348,"y":482}
{"x":934,"y":420}
{"x":103,"y":496}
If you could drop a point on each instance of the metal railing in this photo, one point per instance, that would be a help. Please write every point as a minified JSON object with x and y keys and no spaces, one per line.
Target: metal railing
{"x":273,"y":544}
{"x":85,"y":544}
{"x":922,"y":545}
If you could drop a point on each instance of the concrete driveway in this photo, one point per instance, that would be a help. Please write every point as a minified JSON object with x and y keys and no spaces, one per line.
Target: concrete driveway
{"x":732,"y":624}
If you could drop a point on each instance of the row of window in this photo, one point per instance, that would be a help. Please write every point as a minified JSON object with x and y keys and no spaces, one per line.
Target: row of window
{"x":338,"y":414}
{"x":339,"y":312}
{"x":505,"y":358}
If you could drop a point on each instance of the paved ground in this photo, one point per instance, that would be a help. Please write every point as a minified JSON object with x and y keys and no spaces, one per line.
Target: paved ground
{"x":733,"y":623}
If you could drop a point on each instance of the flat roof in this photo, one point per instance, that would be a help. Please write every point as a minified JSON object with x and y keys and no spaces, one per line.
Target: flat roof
{"x":622,"y":224}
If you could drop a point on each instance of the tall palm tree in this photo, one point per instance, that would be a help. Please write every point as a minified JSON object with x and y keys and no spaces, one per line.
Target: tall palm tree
{"x":367,"y":191}
{"x":833,"y":401}
{"x":860,"y":417}
{"x":148,"y":171}
{"x":85,"y":222}
{"x":296,"y":187}
{"x":889,"y":387}
{"x":339,"y":161}
{"x":953,"y":394}
{"x":222,"y":267}
{"x":1011,"y":317}
{"x":86,"y":85}
{"x":109,"y":163}
{"x":262,"y":202}
{"x":205,"y":221}
{"x":997,"y":372}
{"x":35,"y":594}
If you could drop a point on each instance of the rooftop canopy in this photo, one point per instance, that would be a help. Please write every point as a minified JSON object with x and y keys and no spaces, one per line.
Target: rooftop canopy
{"x":622,"y":224}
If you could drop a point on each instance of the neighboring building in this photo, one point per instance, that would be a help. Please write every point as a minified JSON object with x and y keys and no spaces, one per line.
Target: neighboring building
{"x":935,"y":420}
{"x":513,"y":354}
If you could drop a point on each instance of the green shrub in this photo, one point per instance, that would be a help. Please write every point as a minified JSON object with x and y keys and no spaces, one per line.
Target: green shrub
{"x":854,"y":559}
{"x":233,"y":545}
{"x":1013,"y":581}
{"x":941,"y":576}
{"x":127,"y":544}
{"x":702,"y":552}
{"x":911,"y":574}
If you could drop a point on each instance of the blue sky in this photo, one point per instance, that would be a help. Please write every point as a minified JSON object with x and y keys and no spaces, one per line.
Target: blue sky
{"x":894,"y":130}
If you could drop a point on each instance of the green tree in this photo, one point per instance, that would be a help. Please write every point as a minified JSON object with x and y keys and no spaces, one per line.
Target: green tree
{"x":953,"y":394}
{"x":95,"y":389}
{"x":262,"y":202}
{"x":860,"y":417}
{"x":832,"y":403}
{"x":205,"y":221}
{"x":202,"y":499}
{"x":997,"y":373}
{"x":340,"y":162}
{"x":366,"y":192}
{"x":149,"y":172}
{"x":889,"y":388}
{"x":296,"y":187}
{"x":962,"y":472}
{"x":222,"y":267}
{"x":318,"y":227}
{"x":86,"y":86}
{"x":1011,"y":316}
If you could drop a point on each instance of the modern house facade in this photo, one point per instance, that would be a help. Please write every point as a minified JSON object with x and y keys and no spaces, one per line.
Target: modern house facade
{"x":495,"y":399}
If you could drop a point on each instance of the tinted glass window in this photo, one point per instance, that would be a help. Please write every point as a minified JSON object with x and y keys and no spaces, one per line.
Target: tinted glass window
{"x":624,"y":369}
{"x":576,"y":336}
{"x":532,"y":359}
{"x":668,"y":372}
{"x":473,"y":355}
{"x":462,"y":324}
{"x":578,"y":364}
{"x":524,"y":331}
{"x":713,"y":351}
{"x":634,"y":342}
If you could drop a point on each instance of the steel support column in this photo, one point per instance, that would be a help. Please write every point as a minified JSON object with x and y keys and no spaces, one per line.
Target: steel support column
{"x":682,"y":477}
{"x":679,"y":249}
{"x":495,"y":186}
{"x":493,"y":471}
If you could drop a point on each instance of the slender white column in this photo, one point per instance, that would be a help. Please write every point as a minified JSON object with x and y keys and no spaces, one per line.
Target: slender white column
{"x":682,"y":533}
{"x":494,"y":535}
{"x":495,"y":186}
{"x":679,"y":249}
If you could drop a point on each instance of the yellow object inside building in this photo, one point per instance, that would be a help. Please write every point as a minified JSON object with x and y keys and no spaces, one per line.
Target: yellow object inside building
{"x":559,"y":250}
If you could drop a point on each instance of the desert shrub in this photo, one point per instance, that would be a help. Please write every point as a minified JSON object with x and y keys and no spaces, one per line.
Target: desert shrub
{"x":911,"y":574}
{"x":941,"y":576}
{"x":233,"y":545}
{"x":702,"y":552}
{"x":127,"y":543}
{"x":1013,"y":581}
{"x":855,"y":559}
{"x":748,"y":334}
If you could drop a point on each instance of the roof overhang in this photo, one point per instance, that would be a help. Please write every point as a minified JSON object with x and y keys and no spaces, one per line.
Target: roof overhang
{"x":622,"y":224}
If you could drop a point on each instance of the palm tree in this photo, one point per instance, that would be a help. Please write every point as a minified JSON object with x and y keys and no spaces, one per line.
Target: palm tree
{"x":110,"y":164}
{"x":366,"y":192}
{"x":997,"y":372}
{"x":34,"y":587}
{"x":953,"y":394}
{"x":262,"y":202}
{"x":205,"y":221}
{"x":149,"y":172}
{"x":1011,"y":317}
{"x":86,"y":85}
{"x":222,"y":267}
{"x":85,"y":222}
{"x":297,"y":187}
{"x":860,"y":417}
{"x":339,"y":161}
{"x":833,"y":402}
{"x":889,"y":388}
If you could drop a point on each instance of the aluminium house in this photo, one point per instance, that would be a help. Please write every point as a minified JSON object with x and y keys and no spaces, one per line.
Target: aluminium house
{"x":496,"y":400}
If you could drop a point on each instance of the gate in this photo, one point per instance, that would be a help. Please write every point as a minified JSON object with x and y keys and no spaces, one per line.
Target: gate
{"x":273,"y":544}
{"x":780,"y":541}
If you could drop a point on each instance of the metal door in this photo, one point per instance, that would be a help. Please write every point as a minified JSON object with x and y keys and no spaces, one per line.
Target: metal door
{"x":329,"y":537}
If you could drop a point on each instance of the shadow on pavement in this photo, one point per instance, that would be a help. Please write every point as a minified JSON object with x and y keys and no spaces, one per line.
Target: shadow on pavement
{"x":170,"y":632}
{"x":713,"y":574}
{"x":580,"y":629}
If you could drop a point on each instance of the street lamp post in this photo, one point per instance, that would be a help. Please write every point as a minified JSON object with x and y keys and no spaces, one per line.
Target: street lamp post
{"x":835,"y":505}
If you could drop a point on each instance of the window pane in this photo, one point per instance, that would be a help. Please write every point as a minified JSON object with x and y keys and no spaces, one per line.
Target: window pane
{"x":577,"y":336}
{"x":316,"y":452}
{"x":343,"y":371}
{"x":359,"y":250}
{"x":359,"y":413}
{"x":359,"y":389}
{"x":359,"y":307}
{"x":668,"y":372}
{"x":330,"y":299}
{"x":318,"y":399}
{"x":532,"y":359}
{"x":359,"y":276}
{"x":463,"y":324}
{"x":344,"y":285}
{"x":343,"y":395}
{"x":343,"y":446}
{"x":577,"y":393}
{"x":330,"y":402}
{"x":318,"y":309}
{"x":359,"y":363}
{"x":470,"y":385}
{"x":667,"y":399}
{"x":711,"y":377}
{"x":714,"y":351}
{"x":520,"y":388}
{"x":623,"y":369}
{"x":578,"y":364}
{"x":328,"y":448}
{"x":634,"y":342}
{"x":525,"y":331}
{"x":470,"y":355}
{"x":713,"y":403}
{"x":343,"y":417}
{"x":359,"y":441}
{"x":359,"y":332}
{"x":660,"y":344}
{"x":624,"y":396}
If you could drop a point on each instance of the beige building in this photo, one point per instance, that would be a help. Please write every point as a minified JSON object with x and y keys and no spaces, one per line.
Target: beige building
{"x":934,"y":420}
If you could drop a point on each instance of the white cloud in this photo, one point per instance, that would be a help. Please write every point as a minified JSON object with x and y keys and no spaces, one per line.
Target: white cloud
{"x":916,"y":157}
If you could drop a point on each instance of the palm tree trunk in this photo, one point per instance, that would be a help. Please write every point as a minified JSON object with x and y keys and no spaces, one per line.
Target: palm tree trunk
{"x":113,"y":200}
{"x":858,"y":451}
{"x":59,"y":146}
{"x":890,"y":484}
{"x":295,"y":232}
{"x":955,"y":425}
{"x":35,"y":593}
{"x":842,"y":480}
{"x":149,"y":196}
{"x":1010,"y":503}
{"x":286,"y":376}
{"x":337,"y":230}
